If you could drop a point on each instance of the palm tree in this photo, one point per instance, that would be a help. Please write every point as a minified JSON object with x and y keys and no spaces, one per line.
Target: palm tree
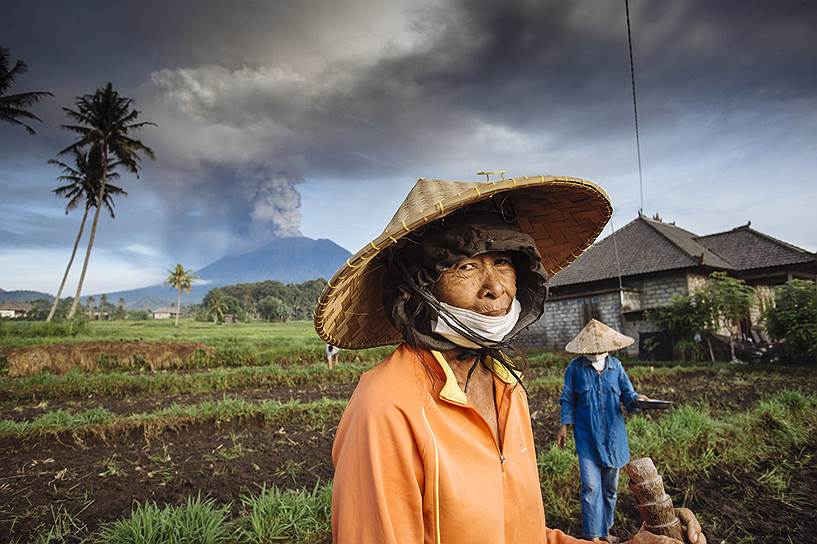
{"x":83,"y":182}
{"x":216,"y":305}
{"x":13,"y":106}
{"x":182,"y":280}
{"x":105,"y":119}
{"x":103,"y":306}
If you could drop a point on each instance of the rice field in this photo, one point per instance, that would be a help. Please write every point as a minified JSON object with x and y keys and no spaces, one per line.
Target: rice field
{"x":232,"y":443}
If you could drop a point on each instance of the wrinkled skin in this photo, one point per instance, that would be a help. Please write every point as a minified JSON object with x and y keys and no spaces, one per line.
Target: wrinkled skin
{"x":485,"y":283}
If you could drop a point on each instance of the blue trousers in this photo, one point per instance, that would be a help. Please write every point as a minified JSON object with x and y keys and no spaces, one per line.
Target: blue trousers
{"x":599,"y":486}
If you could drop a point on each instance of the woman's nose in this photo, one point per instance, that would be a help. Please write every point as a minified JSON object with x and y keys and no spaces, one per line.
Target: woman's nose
{"x":491,"y":285}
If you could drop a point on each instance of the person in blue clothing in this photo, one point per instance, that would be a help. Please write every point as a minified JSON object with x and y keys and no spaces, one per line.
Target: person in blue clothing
{"x":595,"y":388}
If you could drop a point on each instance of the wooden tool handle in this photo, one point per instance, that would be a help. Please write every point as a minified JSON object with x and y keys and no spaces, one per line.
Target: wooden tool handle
{"x":653,"y":503}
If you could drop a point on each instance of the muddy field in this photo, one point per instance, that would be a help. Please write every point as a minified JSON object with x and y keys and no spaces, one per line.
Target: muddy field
{"x":94,"y":479}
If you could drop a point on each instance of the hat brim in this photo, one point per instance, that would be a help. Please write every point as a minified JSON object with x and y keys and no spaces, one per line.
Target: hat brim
{"x":563,"y":215}
{"x":596,"y":337}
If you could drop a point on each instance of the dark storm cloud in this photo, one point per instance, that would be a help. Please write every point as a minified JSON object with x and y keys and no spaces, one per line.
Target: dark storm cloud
{"x":254,"y":98}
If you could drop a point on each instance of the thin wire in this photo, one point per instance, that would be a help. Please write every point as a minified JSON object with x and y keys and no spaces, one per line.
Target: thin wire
{"x":620,"y":282}
{"x":618,"y":260}
{"x":635,"y":107}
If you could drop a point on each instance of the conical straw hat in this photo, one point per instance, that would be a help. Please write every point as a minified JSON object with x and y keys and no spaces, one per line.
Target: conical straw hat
{"x":596,"y":337}
{"x":563,"y":215}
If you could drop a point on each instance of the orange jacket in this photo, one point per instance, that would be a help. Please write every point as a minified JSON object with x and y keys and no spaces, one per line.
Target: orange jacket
{"x":415,"y":463}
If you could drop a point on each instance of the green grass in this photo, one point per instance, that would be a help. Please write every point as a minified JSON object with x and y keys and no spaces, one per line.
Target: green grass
{"x":78,"y":384}
{"x":279,"y":515}
{"x":272,"y":515}
{"x":12,"y":332}
{"x":687,"y":442}
{"x":684,"y":443}
{"x":235,"y":344}
{"x":318,"y":415}
{"x":286,"y":337}
{"x":198,"y":521}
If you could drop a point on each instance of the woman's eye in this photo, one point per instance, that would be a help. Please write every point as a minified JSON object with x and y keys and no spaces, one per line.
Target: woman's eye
{"x":467,"y":266}
{"x":504,"y":261}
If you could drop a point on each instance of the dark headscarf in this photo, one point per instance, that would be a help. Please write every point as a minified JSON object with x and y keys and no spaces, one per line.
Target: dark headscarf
{"x":418,"y":261}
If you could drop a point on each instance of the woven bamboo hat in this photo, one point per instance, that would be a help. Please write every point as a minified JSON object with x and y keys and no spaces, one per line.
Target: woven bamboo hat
{"x":563,"y":215}
{"x":596,"y":337}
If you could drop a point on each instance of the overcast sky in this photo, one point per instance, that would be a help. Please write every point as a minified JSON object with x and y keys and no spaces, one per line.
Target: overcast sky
{"x":315,"y":118}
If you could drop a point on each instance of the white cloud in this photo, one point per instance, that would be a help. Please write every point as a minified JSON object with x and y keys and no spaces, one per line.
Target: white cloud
{"x":41,"y":269}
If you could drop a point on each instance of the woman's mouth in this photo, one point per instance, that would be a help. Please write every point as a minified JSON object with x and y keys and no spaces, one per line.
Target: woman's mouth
{"x":494,"y":312}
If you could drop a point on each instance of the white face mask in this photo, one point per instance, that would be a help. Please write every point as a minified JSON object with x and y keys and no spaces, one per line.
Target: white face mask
{"x":596,"y":357}
{"x":493,"y":328}
{"x":597,"y":360}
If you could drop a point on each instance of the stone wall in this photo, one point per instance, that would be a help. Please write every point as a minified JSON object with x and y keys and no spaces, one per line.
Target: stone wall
{"x":658,"y":290}
{"x":565,"y":317}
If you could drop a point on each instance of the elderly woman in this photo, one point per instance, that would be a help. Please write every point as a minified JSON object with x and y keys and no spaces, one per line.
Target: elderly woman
{"x":436,"y":444}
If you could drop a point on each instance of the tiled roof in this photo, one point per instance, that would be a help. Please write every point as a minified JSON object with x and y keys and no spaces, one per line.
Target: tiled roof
{"x":748,"y":249}
{"x":165,"y":310}
{"x":646,"y":245}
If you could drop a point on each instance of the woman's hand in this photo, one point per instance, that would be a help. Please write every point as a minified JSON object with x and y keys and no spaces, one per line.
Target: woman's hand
{"x":561,"y":438}
{"x":642,"y":397}
{"x":694,"y":535}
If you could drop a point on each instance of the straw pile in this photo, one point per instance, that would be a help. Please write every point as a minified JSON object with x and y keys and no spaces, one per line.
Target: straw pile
{"x":93,"y":356}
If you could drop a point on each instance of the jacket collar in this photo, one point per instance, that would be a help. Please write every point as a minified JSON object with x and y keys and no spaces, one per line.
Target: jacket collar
{"x":451,"y":390}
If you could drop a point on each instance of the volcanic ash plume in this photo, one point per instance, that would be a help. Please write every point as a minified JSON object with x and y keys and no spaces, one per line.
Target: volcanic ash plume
{"x":276,"y":201}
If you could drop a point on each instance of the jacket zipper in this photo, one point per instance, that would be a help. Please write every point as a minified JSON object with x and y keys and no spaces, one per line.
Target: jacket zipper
{"x":493,"y":440}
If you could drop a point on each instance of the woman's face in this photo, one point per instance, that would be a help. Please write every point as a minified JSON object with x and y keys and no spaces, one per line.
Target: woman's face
{"x":485,"y":283}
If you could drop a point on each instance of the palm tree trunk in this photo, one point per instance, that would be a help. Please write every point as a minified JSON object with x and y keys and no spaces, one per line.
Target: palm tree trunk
{"x":68,"y":268}
{"x":99,"y":203}
{"x":178,"y":306}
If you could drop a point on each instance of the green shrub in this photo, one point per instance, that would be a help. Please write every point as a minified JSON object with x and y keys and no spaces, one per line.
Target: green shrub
{"x":794,"y":318}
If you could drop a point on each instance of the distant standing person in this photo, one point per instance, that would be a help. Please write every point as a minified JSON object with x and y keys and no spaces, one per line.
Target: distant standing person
{"x":331,"y":355}
{"x":595,"y":387}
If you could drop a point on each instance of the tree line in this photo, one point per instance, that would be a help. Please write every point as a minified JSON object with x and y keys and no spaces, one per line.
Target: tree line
{"x":266,"y":300}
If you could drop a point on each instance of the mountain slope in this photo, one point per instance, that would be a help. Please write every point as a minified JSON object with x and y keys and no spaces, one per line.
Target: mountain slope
{"x":24,"y":296}
{"x":288,"y":260}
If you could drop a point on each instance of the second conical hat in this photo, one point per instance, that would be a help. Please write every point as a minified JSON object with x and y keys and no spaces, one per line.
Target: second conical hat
{"x":596,"y":337}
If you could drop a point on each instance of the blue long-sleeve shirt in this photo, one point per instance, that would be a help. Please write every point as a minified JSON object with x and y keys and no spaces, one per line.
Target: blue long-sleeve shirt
{"x":591,"y":402}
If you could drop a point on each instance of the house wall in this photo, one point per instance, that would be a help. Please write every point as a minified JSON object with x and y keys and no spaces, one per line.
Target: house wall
{"x":564,"y":318}
{"x":764,"y":299}
{"x":658,"y":290}
{"x":161,"y":316}
{"x":7,"y":313}
{"x":695,"y":282}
